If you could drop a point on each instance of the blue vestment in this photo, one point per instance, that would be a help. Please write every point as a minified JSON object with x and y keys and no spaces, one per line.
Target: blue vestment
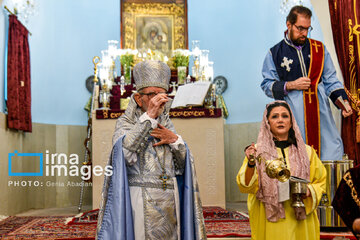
{"x":115,"y":219}
{"x":284,"y":62}
{"x":115,"y":216}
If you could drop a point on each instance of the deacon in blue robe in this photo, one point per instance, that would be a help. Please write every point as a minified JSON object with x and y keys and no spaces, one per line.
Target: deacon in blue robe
{"x":287,"y":62}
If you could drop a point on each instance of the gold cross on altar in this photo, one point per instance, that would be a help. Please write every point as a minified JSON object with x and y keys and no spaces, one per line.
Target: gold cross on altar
{"x":316,"y":46}
{"x":164,"y":178}
{"x":309,"y":92}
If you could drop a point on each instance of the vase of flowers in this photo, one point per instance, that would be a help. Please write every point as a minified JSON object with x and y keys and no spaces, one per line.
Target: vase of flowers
{"x":181,"y":74}
{"x":127,"y":62}
{"x":181,"y":62}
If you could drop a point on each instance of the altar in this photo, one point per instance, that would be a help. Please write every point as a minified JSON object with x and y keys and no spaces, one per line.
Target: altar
{"x":205,"y":138}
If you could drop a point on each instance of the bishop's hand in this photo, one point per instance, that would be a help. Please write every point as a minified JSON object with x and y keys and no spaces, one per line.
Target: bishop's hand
{"x":165,"y":135}
{"x":157,"y":105}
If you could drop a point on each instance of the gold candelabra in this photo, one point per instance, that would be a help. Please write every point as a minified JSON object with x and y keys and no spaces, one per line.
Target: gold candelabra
{"x":197,"y":66}
{"x":96,"y":61}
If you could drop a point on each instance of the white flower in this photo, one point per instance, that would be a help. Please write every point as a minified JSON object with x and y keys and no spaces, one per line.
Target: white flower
{"x":183,"y":52}
{"x":127,"y":51}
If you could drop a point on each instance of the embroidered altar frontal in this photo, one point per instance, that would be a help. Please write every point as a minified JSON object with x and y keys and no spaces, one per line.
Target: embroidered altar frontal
{"x":174,"y":113}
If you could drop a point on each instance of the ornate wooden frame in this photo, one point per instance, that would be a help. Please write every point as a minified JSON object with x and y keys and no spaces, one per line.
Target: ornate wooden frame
{"x":174,"y":11}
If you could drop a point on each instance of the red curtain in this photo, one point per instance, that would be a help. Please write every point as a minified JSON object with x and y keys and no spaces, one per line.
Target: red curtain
{"x":345,"y":20}
{"x":18,"y":80}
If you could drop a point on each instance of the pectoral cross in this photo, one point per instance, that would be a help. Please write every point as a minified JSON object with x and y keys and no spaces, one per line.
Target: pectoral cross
{"x":164,"y":178}
{"x":316,"y":46}
{"x":309,"y":92}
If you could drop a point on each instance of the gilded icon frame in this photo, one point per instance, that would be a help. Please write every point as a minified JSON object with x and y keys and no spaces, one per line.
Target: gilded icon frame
{"x":159,"y":25}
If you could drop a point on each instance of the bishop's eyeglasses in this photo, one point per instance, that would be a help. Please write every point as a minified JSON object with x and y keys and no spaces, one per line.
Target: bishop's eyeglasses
{"x":151,"y":94}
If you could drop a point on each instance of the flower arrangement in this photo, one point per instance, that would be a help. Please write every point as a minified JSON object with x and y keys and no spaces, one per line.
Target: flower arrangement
{"x":127,"y":56}
{"x":127,"y":59}
{"x":180,"y":58}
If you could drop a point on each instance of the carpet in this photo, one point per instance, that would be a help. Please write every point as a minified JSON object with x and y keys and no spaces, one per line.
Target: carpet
{"x":44,"y":228}
{"x":219,"y":223}
{"x":332,"y":235}
{"x":225,"y":223}
{"x":222,"y":215}
{"x":89,"y":217}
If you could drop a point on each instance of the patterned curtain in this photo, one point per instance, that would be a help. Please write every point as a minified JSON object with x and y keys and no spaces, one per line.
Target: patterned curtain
{"x":18,"y":77}
{"x":345,"y":22}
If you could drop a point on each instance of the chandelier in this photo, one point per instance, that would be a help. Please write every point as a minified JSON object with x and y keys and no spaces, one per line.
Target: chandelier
{"x":286,"y":5}
{"x":24,"y":9}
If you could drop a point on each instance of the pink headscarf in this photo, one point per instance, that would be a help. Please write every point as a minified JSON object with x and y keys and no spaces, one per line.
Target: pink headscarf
{"x":299,"y":163}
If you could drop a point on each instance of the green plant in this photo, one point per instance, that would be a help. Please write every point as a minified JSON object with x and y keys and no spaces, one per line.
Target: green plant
{"x":180,"y":60}
{"x":127,"y":61}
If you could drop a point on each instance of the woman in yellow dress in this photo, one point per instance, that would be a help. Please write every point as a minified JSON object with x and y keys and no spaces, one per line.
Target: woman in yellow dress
{"x":271,"y":214}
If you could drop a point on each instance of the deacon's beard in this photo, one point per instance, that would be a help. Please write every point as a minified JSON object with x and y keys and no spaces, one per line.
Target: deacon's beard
{"x":297,"y":41}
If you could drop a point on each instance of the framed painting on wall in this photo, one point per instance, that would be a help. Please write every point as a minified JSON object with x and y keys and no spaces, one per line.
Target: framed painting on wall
{"x":158,"y":25}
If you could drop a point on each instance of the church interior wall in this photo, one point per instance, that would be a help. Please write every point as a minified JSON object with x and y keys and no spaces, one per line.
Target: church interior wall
{"x":67,"y":34}
{"x":18,"y":193}
{"x":237,"y":137}
{"x":238,"y":35}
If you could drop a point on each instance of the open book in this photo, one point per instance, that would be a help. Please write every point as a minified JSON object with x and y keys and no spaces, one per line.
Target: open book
{"x":192,"y":94}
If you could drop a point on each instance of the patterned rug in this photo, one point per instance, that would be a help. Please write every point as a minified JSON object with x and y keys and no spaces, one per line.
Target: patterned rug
{"x":89,"y":217}
{"x":221,"y":215}
{"x":218,"y":222}
{"x":44,"y":228}
{"x":223,"y":223}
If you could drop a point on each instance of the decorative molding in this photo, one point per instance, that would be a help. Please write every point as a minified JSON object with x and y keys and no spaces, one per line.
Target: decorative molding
{"x":211,"y":185}
{"x":175,"y":12}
